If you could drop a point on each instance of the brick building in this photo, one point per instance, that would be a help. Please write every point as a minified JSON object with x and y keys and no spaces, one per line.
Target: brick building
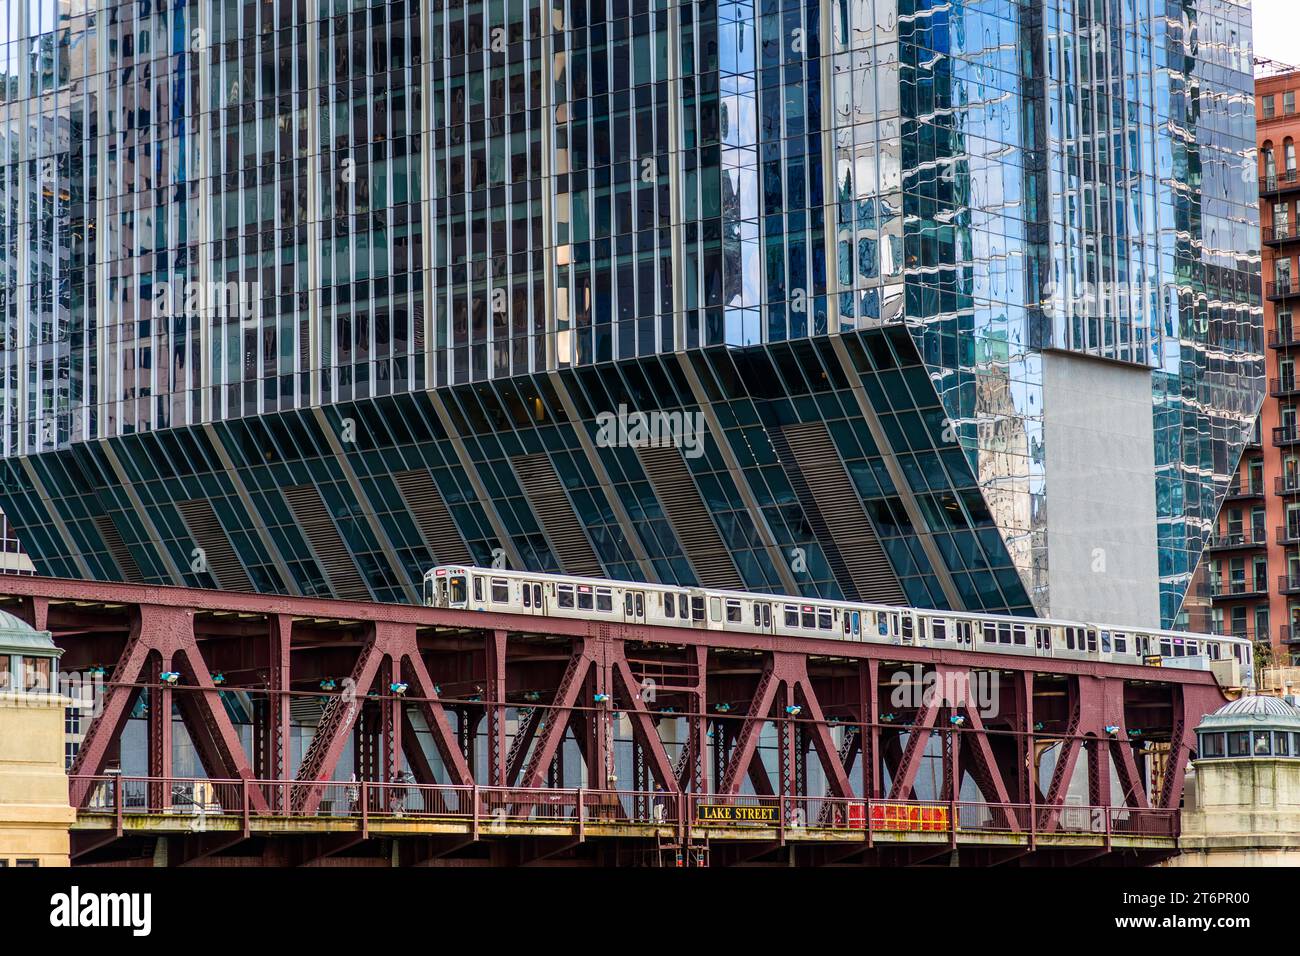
{"x":1249,"y":582}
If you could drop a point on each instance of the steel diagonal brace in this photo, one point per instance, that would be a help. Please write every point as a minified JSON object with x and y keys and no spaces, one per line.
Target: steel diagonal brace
{"x":556,"y":719}
{"x":827,"y":752}
{"x":333,"y":731}
{"x":643,"y":725}
{"x":407,"y":652}
{"x":747,"y":740}
{"x":918,"y":736}
{"x":118,"y":700}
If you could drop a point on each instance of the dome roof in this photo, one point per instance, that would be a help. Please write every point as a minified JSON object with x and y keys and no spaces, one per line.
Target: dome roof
{"x":19,"y":637}
{"x":1256,"y":712}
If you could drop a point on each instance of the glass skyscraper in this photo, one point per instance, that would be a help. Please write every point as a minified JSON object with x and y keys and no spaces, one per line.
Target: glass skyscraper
{"x":304,"y":296}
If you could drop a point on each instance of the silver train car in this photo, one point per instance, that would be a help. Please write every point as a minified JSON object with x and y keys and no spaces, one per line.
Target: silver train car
{"x":630,"y":602}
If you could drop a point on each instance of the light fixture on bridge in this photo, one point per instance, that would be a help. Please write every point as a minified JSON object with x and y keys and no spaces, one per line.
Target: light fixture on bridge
{"x":956,"y":720}
{"x":1111,"y":730}
{"x":722,"y":708}
{"x":169,"y":677}
{"x":532,"y":695}
{"x":601,"y":698}
{"x":1038,"y":725}
{"x":329,"y":683}
{"x":218,"y":678}
{"x":888,"y":718}
{"x":794,"y":710}
{"x":398,"y":687}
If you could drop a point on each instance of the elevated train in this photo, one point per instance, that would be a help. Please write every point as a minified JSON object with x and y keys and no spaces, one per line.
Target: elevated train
{"x":598,"y":599}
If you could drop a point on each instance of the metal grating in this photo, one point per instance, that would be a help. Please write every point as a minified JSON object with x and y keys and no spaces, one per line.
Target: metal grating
{"x":206,"y":531}
{"x":562,"y":526}
{"x":691,"y":521}
{"x":331,"y":553}
{"x":432,"y":517}
{"x":117,"y":548}
{"x":829,"y":500}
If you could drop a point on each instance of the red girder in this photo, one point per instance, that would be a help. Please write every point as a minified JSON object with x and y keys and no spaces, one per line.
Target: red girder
{"x":489,"y":661}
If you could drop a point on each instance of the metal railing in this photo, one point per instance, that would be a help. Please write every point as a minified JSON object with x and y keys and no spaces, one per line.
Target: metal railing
{"x":489,"y":808}
{"x":1245,"y":538}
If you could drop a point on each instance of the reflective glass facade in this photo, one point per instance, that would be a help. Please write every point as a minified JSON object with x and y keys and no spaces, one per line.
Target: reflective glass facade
{"x":304,"y":295}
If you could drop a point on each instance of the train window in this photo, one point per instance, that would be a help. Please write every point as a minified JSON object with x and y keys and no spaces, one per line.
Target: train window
{"x":627,"y":604}
{"x":638,"y":604}
{"x":847,"y":622}
{"x":1214,"y":649}
{"x":528,"y":595}
{"x":1166,"y":648}
{"x":824,"y":619}
{"x":907,"y":627}
{"x":500,"y":591}
{"x":857,"y":622}
{"x":1092,"y":640}
{"x":1069,"y":638}
{"x":564,"y":595}
{"x":807,"y":616}
{"x":758,"y":614}
{"x":478,"y":588}
{"x":1121,"y":642}
{"x":990,"y":633}
{"x":1105,"y":642}
{"x":537,"y":595}
{"x":791,"y":616}
{"x":604,"y":599}
{"x":1018,"y":634}
{"x":767,"y":615}
{"x":939,"y":629}
{"x":669,"y":609}
{"x":697,"y":608}
{"x":715,"y":609}
{"x":1180,"y":649}
{"x":457,"y":590}
{"x":733,"y":611}
{"x":586,"y":599}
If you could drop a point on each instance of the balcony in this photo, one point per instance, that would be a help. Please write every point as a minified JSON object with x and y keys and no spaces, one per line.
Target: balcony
{"x":1287,"y":534}
{"x":1288,"y":584}
{"x":1283,"y":232}
{"x":1224,"y":629}
{"x":1288,"y":633}
{"x":1276,"y":182}
{"x":1286,"y":485}
{"x":1229,"y":540}
{"x":1237,"y":590}
{"x":1247,"y":489}
{"x":1283,"y":387}
{"x":1282,"y":290}
{"x":1284,"y":435}
{"x":1283,"y":338}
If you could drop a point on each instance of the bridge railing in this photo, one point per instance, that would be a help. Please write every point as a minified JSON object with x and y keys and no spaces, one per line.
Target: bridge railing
{"x":489,"y":807}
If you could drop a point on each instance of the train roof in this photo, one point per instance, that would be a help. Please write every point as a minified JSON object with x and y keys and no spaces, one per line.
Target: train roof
{"x":837,"y":603}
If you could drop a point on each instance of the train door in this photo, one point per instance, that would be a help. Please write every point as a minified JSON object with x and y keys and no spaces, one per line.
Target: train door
{"x":634,"y":606}
{"x":965,"y":634}
{"x":762,"y":617}
{"x":1043,"y":640}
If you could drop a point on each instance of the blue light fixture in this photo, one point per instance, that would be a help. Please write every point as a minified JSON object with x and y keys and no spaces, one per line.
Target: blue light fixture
{"x":169,"y":677}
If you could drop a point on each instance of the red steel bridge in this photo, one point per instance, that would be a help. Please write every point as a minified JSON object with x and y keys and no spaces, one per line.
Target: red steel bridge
{"x":345,"y":733}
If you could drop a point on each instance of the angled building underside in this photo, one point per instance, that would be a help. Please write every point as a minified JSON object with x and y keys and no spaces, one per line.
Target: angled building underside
{"x":965,"y":295}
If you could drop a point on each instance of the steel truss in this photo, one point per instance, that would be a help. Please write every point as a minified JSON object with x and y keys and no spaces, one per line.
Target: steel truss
{"x":701,"y":712}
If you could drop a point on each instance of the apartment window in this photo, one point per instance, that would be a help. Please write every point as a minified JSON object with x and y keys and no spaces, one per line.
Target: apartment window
{"x":1289,"y":150}
{"x":1267,"y":106}
{"x":1288,"y":102}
